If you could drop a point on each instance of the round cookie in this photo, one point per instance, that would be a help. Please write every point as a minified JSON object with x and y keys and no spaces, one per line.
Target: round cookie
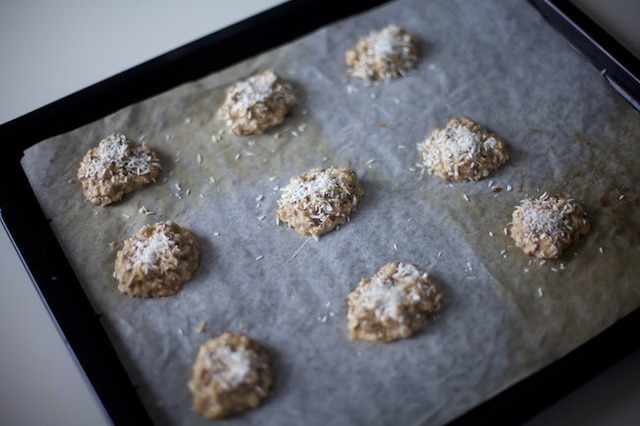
{"x":463,"y":150}
{"x":116,"y":167}
{"x":317,"y":201}
{"x":392,"y":305}
{"x":232,"y":373}
{"x":156,"y":261}
{"x":545,"y":226}
{"x":256,"y":104}
{"x":384,"y":54}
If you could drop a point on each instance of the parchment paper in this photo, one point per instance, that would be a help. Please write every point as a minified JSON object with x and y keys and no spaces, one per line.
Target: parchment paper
{"x":498,"y":63}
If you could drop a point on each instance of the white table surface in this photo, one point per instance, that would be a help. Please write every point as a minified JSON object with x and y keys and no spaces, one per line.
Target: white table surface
{"x":51,"y":49}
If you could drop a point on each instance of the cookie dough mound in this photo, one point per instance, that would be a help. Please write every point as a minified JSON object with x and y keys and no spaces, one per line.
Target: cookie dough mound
{"x":463,"y":150}
{"x":156,"y":261}
{"x":254,"y":105}
{"x":317,"y":201}
{"x":384,"y":54}
{"x":392,"y":305}
{"x":232,"y":374}
{"x":116,"y":167}
{"x":545,"y":226}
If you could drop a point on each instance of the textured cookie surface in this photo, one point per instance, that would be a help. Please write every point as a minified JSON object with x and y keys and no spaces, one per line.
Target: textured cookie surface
{"x":463,"y":150}
{"x":392,"y":305}
{"x":232,"y":373}
{"x":384,"y":54}
{"x":256,"y":104}
{"x":116,"y":167}
{"x":317,"y":201}
{"x":156,"y":261}
{"x":544,"y":227}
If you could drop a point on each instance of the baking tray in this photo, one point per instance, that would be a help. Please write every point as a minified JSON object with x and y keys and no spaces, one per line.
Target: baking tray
{"x":62,"y":293}
{"x":616,"y":63}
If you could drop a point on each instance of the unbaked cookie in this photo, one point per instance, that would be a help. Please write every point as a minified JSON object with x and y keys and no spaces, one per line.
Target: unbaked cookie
{"x":545,"y":226}
{"x":116,"y":167}
{"x":156,"y":261}
{"x":463,"y":150}
{"x":317,"y":201}
{"x":392,"y":305}
{"x":384,"y":54}
{"x":254,"y":105}
{"x":232,"y":374}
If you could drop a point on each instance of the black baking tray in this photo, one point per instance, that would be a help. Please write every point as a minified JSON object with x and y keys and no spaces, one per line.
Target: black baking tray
{"x":616,"y":64}
{"x":62,"y":293}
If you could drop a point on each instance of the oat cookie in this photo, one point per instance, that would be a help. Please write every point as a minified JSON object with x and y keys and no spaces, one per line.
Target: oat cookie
{"x":463,"y":150}
{"x":254,"y":105}
{"x":317,"y":201}
{"x":116,"y":167}
{"x":392,"y":305}
{"x":545,"y":226}
{"x":384,"y":54}
{"x":156,"y":261}
{"x":232,"y":374}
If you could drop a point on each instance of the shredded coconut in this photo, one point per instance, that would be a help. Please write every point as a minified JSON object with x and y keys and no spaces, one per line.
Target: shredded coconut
{"x":116,"y":167}
{"x":462,"y":150}
{"x":319,"y":200}
{"x":153,"y":250}
{"x":542,"y":218}
{"x":545,"y":226}
{"x":156,"y":261}
{"x":387,"y":41}
{"x":317,"y":193}
{"x":231,"y":374}
{"x":391,"y":305}
{"x":256,"y":104}
{"x":383,"y":55}
{"x":389,"y":294}
{"x":117,"y":154}
{"x":255,"y":89}
{"x":229,"y":366}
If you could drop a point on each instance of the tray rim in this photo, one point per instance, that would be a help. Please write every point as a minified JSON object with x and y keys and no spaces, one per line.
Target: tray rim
{"x":617,"y":64}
